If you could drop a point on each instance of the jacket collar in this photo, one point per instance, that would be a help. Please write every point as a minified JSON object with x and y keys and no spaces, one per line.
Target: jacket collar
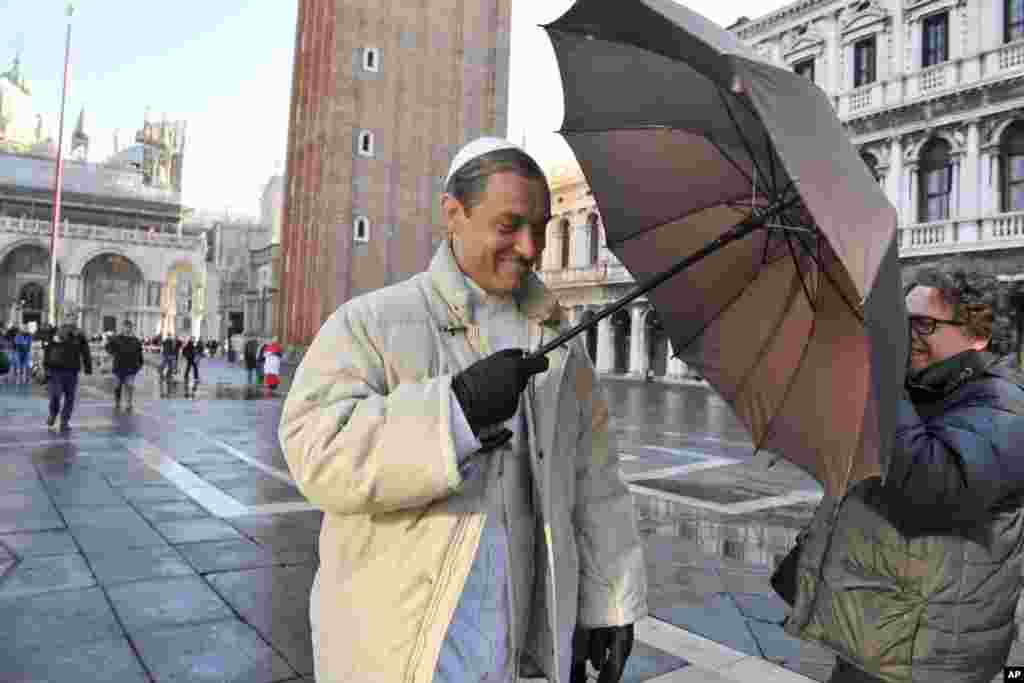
{"x":943,"y":378}
{"x":535,"y":301}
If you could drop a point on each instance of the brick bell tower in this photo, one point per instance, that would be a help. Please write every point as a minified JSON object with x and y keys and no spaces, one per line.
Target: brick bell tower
{"x":383,"y":95}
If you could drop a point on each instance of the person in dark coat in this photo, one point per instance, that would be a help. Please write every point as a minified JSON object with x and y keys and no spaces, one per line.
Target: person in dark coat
{"x":253,"y":362}
{"x":126,"y":351}
{"x":916,"y":578}
{"x":66,"y":355}
{"x":192,"y":352}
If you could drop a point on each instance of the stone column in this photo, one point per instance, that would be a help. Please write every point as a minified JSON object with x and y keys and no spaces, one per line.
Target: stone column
{"x":605,"y":348}
{"x":970,"y":192}
{"x":638,"y":360}
{"x":895,"y":177}
{"x":912,"y":203}
{"x":674,"y":367}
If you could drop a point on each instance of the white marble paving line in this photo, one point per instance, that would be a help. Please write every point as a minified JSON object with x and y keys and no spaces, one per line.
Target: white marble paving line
{"x":40,"y":426}
{"x":740,"y":508}
{"x":711,"y":661}
{"x":262,"y":466}
{"x":192,"y":485}
{"x":681,"y":435}
{"x":709,"y":462}
{"x":225,"y":504}
{"x":59,"y":440}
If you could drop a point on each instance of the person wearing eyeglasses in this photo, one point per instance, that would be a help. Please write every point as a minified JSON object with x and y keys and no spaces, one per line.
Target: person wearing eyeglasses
{"x":922,"y":575}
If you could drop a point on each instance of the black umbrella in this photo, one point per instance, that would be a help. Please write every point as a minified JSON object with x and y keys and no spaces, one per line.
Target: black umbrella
{"x":728,"y":186}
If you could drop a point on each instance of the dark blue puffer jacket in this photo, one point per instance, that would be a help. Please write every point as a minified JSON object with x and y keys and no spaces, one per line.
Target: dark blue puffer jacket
{"x":917,"y":579}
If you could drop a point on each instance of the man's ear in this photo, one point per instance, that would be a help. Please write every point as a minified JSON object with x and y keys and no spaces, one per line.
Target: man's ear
{"x":451,"y":211}
{"x":981,"y":343}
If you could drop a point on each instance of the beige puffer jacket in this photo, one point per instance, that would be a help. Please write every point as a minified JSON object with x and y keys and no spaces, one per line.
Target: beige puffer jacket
{"x":365,"y":431}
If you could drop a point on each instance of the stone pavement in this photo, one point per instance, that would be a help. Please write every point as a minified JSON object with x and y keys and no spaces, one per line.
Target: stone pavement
{"x":170,"y":544}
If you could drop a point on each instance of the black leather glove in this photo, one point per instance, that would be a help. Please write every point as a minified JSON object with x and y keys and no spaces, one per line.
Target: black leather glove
{"x":489,"y":389}
{"x":607,"y":648}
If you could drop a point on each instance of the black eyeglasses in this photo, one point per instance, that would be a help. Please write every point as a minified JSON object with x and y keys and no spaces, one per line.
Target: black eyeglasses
{"x":926,"y":325}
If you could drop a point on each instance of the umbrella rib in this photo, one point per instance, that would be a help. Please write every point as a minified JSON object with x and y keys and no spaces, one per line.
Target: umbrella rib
{"x":824,"y":271}
{"x":625,"y":238}
{"x":743,"y":138}
{"x":800,"y":273}
{"x":728,"y":157}
{"x":718,"y":314}
{"x":789,"y":387}
{"x":741,"y":386}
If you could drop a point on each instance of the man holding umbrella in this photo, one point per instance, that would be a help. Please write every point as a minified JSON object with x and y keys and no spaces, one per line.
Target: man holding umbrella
{"x":477,"y":526}
{"x":918,"y":578}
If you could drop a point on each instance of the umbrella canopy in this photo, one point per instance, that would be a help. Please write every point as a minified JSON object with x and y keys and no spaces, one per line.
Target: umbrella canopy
{"x":794,"y":313}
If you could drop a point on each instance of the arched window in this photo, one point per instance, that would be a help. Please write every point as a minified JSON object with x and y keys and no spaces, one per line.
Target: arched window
{"x":371,"y":59}
{"x":361,"y":229}
{"x":936,"y":181}
{"x":594,"y":224}
{"x":563,"y":243}
{"x":1011,"y":153}
{"x":872,"y":165}
{"x":366,"y":143}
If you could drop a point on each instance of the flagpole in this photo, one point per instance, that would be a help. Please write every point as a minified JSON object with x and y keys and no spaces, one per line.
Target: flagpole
{"x":59,"y":179}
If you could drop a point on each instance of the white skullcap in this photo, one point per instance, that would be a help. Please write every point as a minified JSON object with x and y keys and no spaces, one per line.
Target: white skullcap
{"x":477,"y":148}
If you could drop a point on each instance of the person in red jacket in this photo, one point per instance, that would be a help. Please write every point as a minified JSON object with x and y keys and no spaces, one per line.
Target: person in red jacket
{"x":272,"y":353}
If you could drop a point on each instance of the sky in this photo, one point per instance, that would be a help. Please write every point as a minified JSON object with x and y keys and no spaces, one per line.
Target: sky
{"x":224,"y":66}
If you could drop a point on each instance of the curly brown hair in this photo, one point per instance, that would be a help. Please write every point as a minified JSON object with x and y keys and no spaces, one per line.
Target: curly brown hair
{"x":977,"y":300}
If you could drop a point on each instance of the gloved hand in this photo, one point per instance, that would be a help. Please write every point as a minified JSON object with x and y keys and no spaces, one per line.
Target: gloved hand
{"x":607,"y":648}
{"x":489,"y":389}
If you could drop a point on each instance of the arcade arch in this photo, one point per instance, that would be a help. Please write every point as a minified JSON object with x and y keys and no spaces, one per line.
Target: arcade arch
{"x":113,"y":289}
{"x":24,"y":284}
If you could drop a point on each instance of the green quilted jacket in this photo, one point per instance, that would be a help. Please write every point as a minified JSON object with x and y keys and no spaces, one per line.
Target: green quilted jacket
{"x":916,"y":580}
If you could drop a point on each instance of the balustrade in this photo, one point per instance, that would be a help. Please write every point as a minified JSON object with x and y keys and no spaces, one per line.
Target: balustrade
{"x":99,"y":233}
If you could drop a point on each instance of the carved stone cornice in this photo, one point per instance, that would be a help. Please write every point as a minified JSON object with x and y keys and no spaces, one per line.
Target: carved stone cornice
{"x":802,"y":7}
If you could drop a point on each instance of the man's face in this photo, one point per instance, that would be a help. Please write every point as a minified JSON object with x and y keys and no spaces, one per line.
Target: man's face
{"x":127,"y":327}
{"x":498,"y":242}
{"x":947,"y":340}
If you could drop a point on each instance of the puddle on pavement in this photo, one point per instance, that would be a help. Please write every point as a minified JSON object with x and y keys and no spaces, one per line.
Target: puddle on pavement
{"x":759,"y":539}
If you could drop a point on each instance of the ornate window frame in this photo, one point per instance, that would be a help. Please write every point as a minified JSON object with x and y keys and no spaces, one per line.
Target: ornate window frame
{"x":857,"y":22}
{"x":803,"y":43}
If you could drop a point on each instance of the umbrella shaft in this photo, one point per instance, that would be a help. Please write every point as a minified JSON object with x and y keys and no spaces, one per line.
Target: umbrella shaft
{"x":737,"y":232}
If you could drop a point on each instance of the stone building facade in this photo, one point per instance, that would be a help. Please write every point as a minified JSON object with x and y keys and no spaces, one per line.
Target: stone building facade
{"x":383,"y":95}
{"x":122,"y":250}
{"x":931,"y":92}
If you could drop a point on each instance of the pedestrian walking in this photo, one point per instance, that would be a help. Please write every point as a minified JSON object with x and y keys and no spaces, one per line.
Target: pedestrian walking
{"x":917,"y":577}
{"x":126,"y":351}
{"x":192,"y":353}
{"x":22,"y":356}
{"x":250,"y":353}
{"x":7,"y":357}
{"x":168,"y":358}
{"x":476,"y":524}
{"x":65,"y":357}
{"x":271,"y":365}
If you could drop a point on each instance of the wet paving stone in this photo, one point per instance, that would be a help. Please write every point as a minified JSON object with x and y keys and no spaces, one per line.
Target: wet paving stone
{"x":169,"y":512}
{"x":276,"y":602}
{"x":35,"y":575}
{"x":277,"y":492}
{"x":134,"y":564}
{"x":164,"y":493}
{"x":66,"y":618}
{"x":646,"y":662}
{"x":108,"y":661}
{"x":197,"y":530}
{"x":718,"y":619}
{"x":12,"y":521}
{"x":219,"y":652}
{"x":147,"y":605}
{"x":242,"y":554}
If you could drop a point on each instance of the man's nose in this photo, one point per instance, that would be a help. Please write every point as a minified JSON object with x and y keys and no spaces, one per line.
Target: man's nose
{"x":528,"y":246}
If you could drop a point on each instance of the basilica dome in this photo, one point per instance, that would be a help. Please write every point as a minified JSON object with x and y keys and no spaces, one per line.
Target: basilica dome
{"x":20,"y":128}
